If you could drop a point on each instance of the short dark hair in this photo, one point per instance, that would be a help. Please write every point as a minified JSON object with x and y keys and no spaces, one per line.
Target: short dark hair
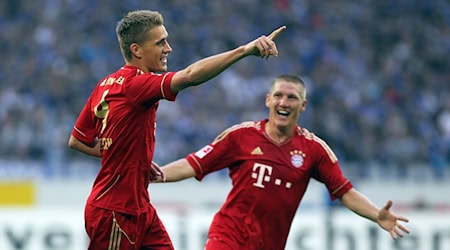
{"x":133,"y":28}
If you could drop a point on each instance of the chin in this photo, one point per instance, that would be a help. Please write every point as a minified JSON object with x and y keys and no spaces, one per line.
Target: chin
{"x":162,"y":69}
{"x":281,"y":123}
{"x":282,"y":119}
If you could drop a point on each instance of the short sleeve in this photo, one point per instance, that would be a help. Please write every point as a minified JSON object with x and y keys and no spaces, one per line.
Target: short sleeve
{"x":84,"y":129}
{"x":329,"y":172}
{"x":219,"y":154}
{"x":150,"y":87}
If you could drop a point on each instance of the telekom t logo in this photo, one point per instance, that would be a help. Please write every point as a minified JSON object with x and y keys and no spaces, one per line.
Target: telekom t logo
{"x":262,"y":174}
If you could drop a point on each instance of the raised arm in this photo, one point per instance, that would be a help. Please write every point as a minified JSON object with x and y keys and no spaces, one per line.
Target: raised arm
{"x":207,"y":68}
{"x":387,"y":220}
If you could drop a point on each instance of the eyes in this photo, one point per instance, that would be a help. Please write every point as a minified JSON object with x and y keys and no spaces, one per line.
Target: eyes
{"x":279,"y":95}
{"x":162,"y":42}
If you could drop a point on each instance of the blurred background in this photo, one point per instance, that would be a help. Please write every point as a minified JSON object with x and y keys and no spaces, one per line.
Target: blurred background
{"x":378,"y":81}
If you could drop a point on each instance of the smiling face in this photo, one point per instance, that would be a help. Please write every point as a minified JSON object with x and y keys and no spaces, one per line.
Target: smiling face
{"x":151,"y":55}
{"x":286,"y":100}
{"x":143,"y":40}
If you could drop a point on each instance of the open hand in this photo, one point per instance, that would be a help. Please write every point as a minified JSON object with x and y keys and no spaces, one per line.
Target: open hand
{"x":390,"y":221}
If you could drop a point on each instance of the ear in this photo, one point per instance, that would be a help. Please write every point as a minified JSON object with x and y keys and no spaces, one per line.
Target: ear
{"x":136,"y":50}
{"x":303,"y":106}
{"x":268,"y":101}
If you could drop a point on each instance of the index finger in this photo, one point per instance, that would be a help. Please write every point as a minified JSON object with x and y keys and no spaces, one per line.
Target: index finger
{"x":276,"y":32}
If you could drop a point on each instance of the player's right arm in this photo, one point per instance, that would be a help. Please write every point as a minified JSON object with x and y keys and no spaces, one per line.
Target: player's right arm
{"x":83,"y":137}
{"x":210,"y":158}
{"x":93,"y":150}
{"x":177,"y":170}
{"x":207,"y":68}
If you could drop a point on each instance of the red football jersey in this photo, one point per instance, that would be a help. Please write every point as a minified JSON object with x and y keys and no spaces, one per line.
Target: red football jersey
{"x":268,"y":182}
{"x":121,"y":113}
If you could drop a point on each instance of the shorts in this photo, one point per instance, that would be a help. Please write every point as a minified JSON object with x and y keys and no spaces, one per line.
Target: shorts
{"x":118,"y":231}
{"x":223,"y":242}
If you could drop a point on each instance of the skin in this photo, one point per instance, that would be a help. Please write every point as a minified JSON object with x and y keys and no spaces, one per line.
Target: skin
{"x":92,"y":150}
{"x":151,"y":56}
{"x":286,"y":101}
{"x":387,"y":220}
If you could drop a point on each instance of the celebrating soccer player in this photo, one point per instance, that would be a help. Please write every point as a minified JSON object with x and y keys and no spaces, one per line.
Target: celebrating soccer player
{"x":117,"y":124}
{"x":271,"y":163}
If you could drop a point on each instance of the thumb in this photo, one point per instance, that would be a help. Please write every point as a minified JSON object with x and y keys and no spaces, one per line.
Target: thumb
{"x":388,"y":205}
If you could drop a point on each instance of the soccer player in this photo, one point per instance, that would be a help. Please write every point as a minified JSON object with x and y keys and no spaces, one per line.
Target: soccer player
{"x":117,"y":124}
{"x":270,"y":164}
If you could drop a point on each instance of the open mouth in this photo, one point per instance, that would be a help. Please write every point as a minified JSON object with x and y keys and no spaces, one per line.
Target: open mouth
{"x":283,"y":112}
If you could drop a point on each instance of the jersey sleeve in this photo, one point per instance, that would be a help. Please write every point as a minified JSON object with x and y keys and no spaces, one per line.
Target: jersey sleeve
{"x":150,"y":87}
{"x":329,"y":172}
{"x":84,"y":129}
{"x":219,"y":154}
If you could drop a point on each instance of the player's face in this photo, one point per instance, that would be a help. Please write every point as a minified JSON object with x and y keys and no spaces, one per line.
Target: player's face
{"x":285,"y":103}
{"x":155,"y":50}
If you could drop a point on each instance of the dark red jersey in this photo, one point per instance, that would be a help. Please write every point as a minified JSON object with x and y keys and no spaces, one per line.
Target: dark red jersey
{"x":121,"y":113}
{"x":268,"y":182}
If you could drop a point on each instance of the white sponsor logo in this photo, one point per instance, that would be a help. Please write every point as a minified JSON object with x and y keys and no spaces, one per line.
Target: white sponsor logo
{"x":203,"y":151}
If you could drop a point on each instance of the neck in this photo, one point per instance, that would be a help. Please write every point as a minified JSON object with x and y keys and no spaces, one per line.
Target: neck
{"x":278,"y":134}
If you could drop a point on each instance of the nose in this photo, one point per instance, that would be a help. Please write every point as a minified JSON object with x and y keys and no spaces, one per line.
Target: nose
{"x":284,"y":102}
{"x":167,"y":48}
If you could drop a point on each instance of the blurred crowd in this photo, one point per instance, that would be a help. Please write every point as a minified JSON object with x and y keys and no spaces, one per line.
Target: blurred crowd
{"x":377,"y":73}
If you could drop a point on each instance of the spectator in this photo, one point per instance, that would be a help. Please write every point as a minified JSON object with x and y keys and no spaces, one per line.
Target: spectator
{"x":366,"y":57}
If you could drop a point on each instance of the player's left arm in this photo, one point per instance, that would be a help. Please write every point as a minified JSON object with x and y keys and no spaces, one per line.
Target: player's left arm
{"x":363,"y":206}
{"x":93,"y":150}
{"x":209,"y":67}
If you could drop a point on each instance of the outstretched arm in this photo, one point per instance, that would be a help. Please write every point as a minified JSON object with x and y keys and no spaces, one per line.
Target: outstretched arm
{"x":387,"y":220}
{"x":93,"y":150}
{"x":207,"y":68}
{"x":176,"y":171}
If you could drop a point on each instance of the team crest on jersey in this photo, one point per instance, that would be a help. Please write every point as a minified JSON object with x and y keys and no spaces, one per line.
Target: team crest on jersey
{"x":297,"y":158}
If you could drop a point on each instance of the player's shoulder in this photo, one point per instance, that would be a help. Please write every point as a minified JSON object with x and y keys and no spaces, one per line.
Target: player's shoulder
{"x":310,"y":136}
{"x":313,"y":139}
{"x":238,"y":129}
{"x":112,"y":78}
{"x":247,"y":125}
{"x":303,"y":132}
{"x":317,"y":144}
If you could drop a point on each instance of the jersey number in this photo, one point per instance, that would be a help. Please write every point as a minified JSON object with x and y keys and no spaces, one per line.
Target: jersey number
{"x":102,"y":110}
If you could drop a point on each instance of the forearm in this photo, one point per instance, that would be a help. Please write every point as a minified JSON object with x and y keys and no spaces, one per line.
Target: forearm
{"x":360,"y":204}
{"x":210,"y":67}
{"x":178,"y":170}
{"x":205,"y":69}
{"x":76,"y":144}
